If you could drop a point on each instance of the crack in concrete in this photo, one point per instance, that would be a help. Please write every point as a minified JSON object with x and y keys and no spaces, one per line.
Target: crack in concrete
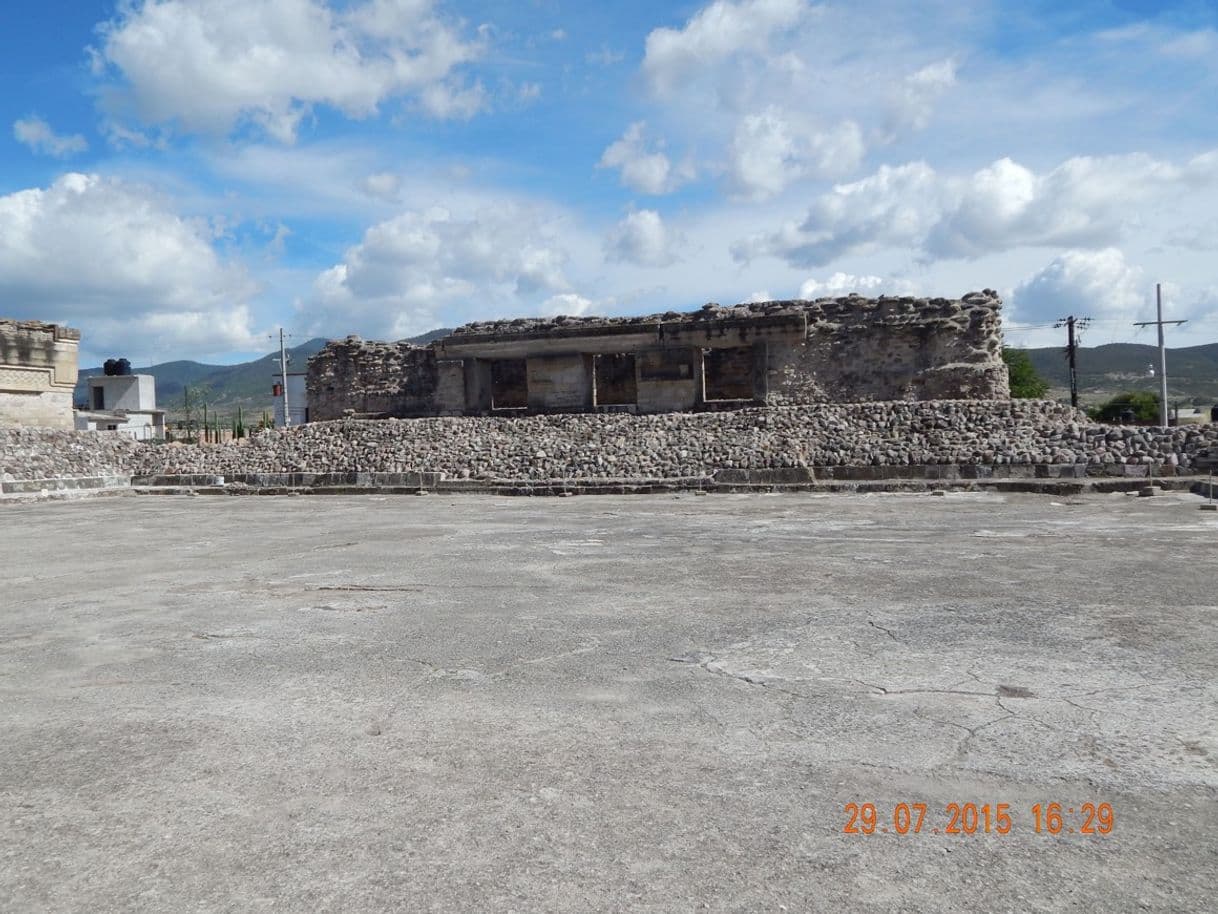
{"x":886,"y":631}
{"x":709,"y":664}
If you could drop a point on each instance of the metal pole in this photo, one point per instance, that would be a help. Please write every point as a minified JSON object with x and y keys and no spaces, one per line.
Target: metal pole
{"x":1162,"y":358}
{"x":1162,"y":352}
{"x":283,"y":373}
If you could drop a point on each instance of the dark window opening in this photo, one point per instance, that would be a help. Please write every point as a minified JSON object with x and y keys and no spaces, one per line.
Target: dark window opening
{"x":666,"y":365}
{"x":99,"y":398}
{"x":615,"y":381}
{"x":728,"y":373}
{"x":509,"y":384}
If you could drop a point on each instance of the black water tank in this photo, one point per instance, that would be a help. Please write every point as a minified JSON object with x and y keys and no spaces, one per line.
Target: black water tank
{"x":116,"y":367}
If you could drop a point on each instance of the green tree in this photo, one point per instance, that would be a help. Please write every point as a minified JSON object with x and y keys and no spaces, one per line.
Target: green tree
{"x":1143,"y":404}
{"x":1026,"y":384}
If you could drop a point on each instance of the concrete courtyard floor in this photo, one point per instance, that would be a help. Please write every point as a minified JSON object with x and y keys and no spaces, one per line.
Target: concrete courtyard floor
{"x":605,"y":703}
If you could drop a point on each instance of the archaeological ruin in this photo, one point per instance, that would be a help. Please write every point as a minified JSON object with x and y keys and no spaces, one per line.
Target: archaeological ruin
{"x":37,"y":373}
{"x":839,"y":391}
{"x":777,"y":353}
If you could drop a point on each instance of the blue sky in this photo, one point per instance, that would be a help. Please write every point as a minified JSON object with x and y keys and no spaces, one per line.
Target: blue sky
{"x":179,"y":178}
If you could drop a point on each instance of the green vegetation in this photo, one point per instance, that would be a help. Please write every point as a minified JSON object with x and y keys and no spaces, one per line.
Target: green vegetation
{"x":1026,"y":384}
{"x":1143,"y":405}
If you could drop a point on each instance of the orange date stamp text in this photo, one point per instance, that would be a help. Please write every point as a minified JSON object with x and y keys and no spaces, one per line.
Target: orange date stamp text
{"x":979,"y":819}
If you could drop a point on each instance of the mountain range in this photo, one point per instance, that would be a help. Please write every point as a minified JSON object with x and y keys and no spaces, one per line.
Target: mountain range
{"x":1103,"y":371}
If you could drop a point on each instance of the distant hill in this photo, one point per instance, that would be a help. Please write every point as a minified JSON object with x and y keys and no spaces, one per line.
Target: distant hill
{"x":1103,"y":371}
{"x":225,"y":387}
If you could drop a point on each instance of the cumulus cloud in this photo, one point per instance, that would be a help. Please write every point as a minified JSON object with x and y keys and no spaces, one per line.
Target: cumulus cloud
{"x":715,"y":33}
{"x":895,"y":206}
{"x":845,"y":283}
{"x":1097,"y":284}
{"x":409,"y":273}
{"x":113,"y":259}
{"x":772,"y":149}
{"x":643,"y":239}
{"x":644,"y":168}
{"x":1086,"y":202}
{"x":37,"y":134}
{"x":210,"y":65}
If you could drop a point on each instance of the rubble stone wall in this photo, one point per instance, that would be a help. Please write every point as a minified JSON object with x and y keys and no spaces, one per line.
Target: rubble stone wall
{"x":623,"y":446}
{"x":691,"y":444}
{"x":893,"y":349}
{"x":371,"y":380}
{"x":46,"y":453}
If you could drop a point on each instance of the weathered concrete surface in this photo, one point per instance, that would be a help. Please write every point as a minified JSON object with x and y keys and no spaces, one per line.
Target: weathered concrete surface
{"x":657,"y":704}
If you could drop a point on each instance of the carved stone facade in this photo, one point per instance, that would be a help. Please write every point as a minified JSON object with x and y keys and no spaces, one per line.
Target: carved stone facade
{"x":834,"y":350}
{"x":37,"y":373}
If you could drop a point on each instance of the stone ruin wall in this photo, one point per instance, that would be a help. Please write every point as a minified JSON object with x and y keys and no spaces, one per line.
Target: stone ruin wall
{"x":860,"y":349}
{"x":591,"y":446}
{"x":855,"y":349}
{"x":37,"y":373}
{"x":371,"y":380}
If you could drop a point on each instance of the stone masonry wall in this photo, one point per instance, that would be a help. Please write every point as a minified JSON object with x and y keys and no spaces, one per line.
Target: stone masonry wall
{"x":44,"y":453}
{"x":37,"y":373}
{"x":831,"y":350}
{"x":617,"y":446}
{"x":893,"y":349}
{"x":371,"y":380}
{"x":691,"y":444}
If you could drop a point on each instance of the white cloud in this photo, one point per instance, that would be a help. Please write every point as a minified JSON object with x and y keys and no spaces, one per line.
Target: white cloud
{"x":643,"y":239}
{"x":895,"y":206}
{"x":1097,"y":284}
{"x":112,"y":259}
{"x":37,"y":134}
{"x":209,"y":65}
{"x":384,"y":185}
{"x":914,"y":102}
{"x":1103,"y":286}
{"x":567,"y":303}
{"x":453,"y":101}
{"x":772,"y":150}
{"x":845,"y":283}
{"x":643,"y":169}
{"x":1088,"y":202}
{"x":419,"y":269}
{"x":715,"y":33}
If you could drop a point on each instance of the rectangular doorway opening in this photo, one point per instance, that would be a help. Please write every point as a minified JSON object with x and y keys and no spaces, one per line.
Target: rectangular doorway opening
{"x":509,"y":384}
{"x":728,"y":373}
{"x":614,"y":380}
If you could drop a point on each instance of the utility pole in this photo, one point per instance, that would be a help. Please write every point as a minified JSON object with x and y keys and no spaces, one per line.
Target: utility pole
{"x":1162,"y":352}
{"x":283,"y":373}
{"x":1071,"y":349}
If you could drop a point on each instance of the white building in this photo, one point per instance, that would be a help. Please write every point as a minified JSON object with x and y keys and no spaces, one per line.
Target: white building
{"x":123,"y":403}
{"x":298,"y":398}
